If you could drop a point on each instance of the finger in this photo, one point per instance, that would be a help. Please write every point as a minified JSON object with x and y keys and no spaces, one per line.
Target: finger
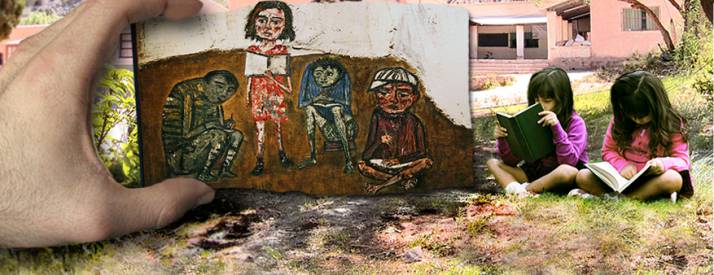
{"x":542,"y":113}
{"x":540,"y":121}
{"x":93,"y":35}
{"x":158,"y":205}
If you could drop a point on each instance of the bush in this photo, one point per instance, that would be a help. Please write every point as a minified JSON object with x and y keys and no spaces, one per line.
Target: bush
{"x":652,"y":62}
{"x":39,"y":18}
{"x":115,"y":129}
{"x":479,"y":83}
{"x":10,"y":12}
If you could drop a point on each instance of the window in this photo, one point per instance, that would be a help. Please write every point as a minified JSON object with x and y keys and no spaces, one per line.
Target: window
{"x":493,"y":40}
{"x":638,"y":20}
{"x":125,"y":46}
{"x":527,"y":39}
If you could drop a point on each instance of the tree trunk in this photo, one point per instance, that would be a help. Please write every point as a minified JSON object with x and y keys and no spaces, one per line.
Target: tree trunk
{"x":665,"y":34}
{"x":707,"y":7}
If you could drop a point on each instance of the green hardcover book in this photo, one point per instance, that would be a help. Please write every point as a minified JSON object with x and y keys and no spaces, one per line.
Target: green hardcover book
{"x":527,"y":139}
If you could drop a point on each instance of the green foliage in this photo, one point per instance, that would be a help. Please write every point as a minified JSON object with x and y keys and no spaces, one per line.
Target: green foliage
{"x":697,"y":34}
{"x":115,"y":129}
{"x":432,"y":244}
{"x":490,"y":81}
{"x":39,"y":18}
{"x":651,"y":62}
{"x":703,"y":84}
{"x":10,"y":11}
{"x":478,"y":226}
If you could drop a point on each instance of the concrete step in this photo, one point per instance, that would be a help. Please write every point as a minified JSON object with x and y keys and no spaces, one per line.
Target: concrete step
{"x":492,"y":66}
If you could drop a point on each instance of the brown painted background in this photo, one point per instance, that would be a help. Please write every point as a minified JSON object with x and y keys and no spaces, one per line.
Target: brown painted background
{"x":450,"y":145}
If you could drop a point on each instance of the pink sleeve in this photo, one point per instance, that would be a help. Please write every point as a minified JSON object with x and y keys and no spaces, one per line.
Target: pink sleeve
{"x":679,"y":159}
{"x":610,"y":152}
{"x":571,"y":144}
{"x":504,"y":151}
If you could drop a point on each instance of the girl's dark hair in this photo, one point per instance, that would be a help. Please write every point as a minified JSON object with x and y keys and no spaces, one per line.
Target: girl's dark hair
{"x":288,"y":32}
{"x":638,"y":94}
{"x":553,"y":82}
{"x":327,"y":62}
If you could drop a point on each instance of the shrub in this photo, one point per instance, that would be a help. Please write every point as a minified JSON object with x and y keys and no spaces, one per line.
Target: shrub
{"x":10,"y":12}
{"x":39,"y":18}
{"x":114,"y":123}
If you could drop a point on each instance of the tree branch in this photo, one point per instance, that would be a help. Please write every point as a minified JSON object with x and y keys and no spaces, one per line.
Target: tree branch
{"x":676,"y":5}
{"x":665,"y":34}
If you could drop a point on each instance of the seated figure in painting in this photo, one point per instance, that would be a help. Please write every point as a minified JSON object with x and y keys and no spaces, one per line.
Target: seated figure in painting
{"x":396,"y":150}
{"x":325,"y":95}
{"x":195,"y":136}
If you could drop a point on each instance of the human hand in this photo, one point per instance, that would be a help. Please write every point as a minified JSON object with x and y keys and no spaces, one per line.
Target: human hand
{"x":230,"y":123}
{"x":548,"y":118}
{"x":386,"y":139}
{"x":500,"y":132}
{"x":629,"y":171}
{"x":657,"y":166}
{"x":53,"y":188}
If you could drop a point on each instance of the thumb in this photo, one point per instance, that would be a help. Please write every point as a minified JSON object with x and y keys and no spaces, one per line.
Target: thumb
{"x":160,"y":204}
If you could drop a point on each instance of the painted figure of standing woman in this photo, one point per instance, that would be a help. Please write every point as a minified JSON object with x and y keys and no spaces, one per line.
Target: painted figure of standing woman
{"x":269,"y":23}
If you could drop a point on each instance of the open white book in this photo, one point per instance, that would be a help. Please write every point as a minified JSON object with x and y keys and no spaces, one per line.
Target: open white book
{"x":258,"y":64}
{"x":612,"y":178}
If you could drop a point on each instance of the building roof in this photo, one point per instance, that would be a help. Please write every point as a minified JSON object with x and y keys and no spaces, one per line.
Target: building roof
{"x":571,"y":9}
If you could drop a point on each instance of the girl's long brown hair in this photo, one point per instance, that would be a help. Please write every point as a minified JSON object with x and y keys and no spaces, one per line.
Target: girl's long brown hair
{"x":553,"y":82}
{"x":638,"y":94}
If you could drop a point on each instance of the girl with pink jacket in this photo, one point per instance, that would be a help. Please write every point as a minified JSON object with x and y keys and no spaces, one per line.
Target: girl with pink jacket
{"x":644,"y":129}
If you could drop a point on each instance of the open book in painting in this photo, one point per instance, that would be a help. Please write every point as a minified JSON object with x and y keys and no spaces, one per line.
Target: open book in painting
{"x":258,"y":64}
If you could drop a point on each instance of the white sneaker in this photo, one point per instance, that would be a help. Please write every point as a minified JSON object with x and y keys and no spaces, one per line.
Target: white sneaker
{"x":515,"y":188}
{"x":519,"y":189}
{"x":577,"y":192}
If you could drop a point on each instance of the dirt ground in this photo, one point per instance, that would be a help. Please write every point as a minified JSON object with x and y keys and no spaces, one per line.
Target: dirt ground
{"x":454,"y":231}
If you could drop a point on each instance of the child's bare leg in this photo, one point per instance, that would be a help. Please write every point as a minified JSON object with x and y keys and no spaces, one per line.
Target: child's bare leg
{"x":587,"y":181}
{"x":505,"y":174}
{"x":370,"y":172}
{"x":563,"y":176}
{"x":260,"y":133}
{"x":416,"y":167}
{"x":668,"y":182}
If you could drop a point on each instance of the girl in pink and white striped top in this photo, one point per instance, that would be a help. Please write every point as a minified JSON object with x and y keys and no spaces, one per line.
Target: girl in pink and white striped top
{"x":644,"y":129}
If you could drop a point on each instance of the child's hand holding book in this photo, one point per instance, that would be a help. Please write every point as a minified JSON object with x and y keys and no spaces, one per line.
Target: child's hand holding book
{"x":657,"y":166}
{"x":629,"y":171}
{"x":500,"y":132}
{"x":548,"y":118}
